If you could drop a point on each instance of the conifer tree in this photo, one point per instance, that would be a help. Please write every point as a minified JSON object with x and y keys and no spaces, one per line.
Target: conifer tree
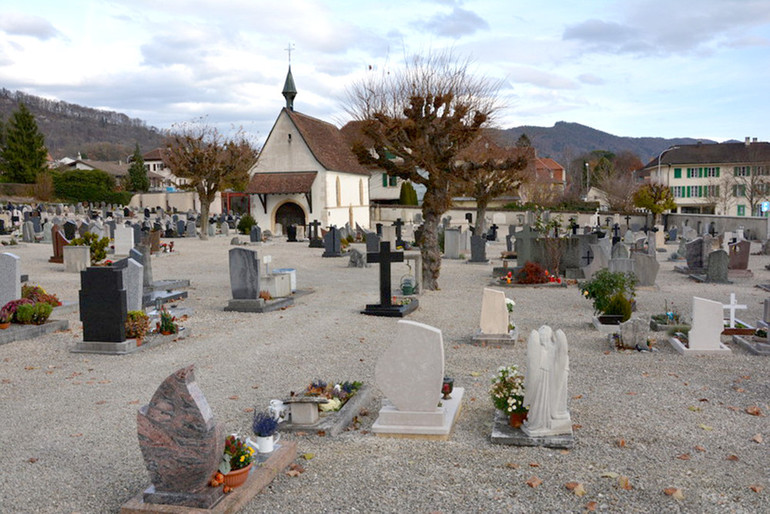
{"x":23,"y":152}
{"x":137,"y":174}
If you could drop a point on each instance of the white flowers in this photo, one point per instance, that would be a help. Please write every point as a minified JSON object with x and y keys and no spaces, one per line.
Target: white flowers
{"x":509,"y":304}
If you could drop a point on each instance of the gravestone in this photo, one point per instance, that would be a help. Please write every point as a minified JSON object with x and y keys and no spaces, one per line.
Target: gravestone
{"x":372,"y":242}
{"x":716,"y":272}
{"x":181,"y":444}
{"x":694,"y":255}
{"x":332,"y":244}
{"x":244,"y":274}
{"x":27,"y":232}
{"x":673,"y":235}
{"x":619,"y":251}
{"x":315,"y":239}
{"x":386,"y":307}
{"x":479,"y":249}
{"x":646,"y":269}
{"x":633,"y":334}
{"x":452,"y":243}
{"x":739,"y":255}
{"x":180,"y":228}
{"x":10,"y":278}
{"x":37,"y":227}
{"x":133,"y":280}
{"x":103,"y":305}
{"x":357,"y":259}
{"x":622,"y":265}
{"x":494,"y":319}
{"x":76,"y":258}
{"x":224,"y":229}
{"x":211,"y":230}
{"x":398,"y":224}
{"x":82,"y":228}
{"x":190,"y":229}
{"x":524,"y":244}
{"x":47,"y":227}
{"x":410,"y":374}
{"x":124,"y":239}
{"x":545,"y":385}
{"x":291,"y":234}
{"x":59,"y":242}
{"x":707,"y":325}
{"x":600,"y":259}
{"x":255,"y":235}
{"x":155,"y":241}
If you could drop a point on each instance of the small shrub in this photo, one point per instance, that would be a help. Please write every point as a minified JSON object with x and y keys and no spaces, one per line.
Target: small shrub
{"x":38,"y":294}
{"x":24,"y":313}
{"x":98,"y":247}
{"x":605,"y":284}
{"x":41,"y":312}
{"x":137,"y":324}
{"x":531,"y":273}
{"x":244,"y":226}
{"x":619,"y":306}
{"x":12,"y":306}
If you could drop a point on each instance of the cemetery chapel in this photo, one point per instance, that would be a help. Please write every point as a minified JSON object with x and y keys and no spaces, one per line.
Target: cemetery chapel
{"x":305,"y":172}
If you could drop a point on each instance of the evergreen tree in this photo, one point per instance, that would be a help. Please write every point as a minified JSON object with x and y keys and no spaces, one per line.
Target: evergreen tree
{"x":137,"y":174}
{"x":523,"y":141}
{"x":408,"y":195}
{"x":23,"y":153}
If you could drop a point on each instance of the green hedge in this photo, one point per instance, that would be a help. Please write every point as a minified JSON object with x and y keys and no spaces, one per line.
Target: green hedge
{"x":88,"y":186}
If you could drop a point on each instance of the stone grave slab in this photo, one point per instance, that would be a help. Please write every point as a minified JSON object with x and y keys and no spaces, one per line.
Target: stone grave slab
{"x":76,"y":258}
{"x":504,"y":433}
{"x":707,"y":326}
{"x":332,"y":423}
{"x":753,"y":344}
{"x":18,"y":332}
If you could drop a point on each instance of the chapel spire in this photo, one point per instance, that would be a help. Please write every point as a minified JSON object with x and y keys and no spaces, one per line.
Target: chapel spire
{"x":289,"y":90}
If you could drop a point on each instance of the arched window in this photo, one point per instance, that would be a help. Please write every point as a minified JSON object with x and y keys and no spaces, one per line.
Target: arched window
{"x":339,"y":193}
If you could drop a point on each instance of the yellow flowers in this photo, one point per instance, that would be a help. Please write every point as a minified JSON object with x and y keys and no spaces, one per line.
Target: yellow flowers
{"x":243,"y":457}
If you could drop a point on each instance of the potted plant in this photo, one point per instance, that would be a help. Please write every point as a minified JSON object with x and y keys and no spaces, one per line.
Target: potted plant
{"x":670,"y":317}
{"x":507,"y":394}
{"x":5,"y":318}
{"x":612,"y":293}
{"x":264,"y":427}
{"x":166,"y":324}
{"x":137,"y":325}
{"x":236,"y":463}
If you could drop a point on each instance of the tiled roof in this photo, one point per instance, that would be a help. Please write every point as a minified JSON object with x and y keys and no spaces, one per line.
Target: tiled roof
{"x":546,"y":165}
{"x":116,"y":169}
{"x":326,"y":142}
{"x":715,"y":154}
{"x":275,"y":182}
{"x":153,"y":155}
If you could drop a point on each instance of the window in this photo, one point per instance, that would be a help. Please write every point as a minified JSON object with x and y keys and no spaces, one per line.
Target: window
{"x":393,"y":181}
{"x":711,"y":172}
{"x":712,"y":191}
{"x":739,"y":190}
{"x":360,"y":191}
{"x":741,"y":171}
{"x":761,"y":170}
{"x":677,"y":172}
{"x":692,"y":172}
{"x":694,"y":191}
{"x":741,"y":210}
{"x":339,"y":192}
{"x":678,"y":191}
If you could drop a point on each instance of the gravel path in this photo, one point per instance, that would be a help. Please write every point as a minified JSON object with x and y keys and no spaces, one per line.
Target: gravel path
{"x":75,"y":414}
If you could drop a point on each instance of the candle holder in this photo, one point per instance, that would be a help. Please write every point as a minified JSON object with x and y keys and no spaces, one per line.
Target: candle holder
{"x":447,"y":387}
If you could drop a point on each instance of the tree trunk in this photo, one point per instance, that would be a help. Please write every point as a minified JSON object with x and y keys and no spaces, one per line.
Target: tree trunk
{"x":481,"y":213}
{"x":430,"y":250}
{"x":205,"y":206}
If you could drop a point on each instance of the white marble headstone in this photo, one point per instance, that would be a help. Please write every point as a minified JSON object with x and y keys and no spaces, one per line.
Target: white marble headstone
{"x":124,"y":239}
{"x":707,"y":326}
{"x":494,"y":313}
{"x":10,"y":278}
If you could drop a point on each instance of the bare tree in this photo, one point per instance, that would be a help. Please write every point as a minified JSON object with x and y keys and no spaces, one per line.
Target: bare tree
{"x":209,"y":161}
{"x":719,"y":194}
{"x":489,"y":171}
{"x":753,"y":185}
{"x":420,"y":118}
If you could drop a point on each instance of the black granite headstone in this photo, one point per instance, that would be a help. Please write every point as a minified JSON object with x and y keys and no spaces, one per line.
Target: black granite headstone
{"x":244,"y":274}
{"x":103,"y":304}
{"x":332,"y":243}
{"x":291,"y":233}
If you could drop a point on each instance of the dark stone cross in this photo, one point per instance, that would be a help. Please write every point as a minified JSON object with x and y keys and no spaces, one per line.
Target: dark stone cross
{"x":573,"y":226}
{"x":587,"y":257}
{"x":615,"y":234}
{"x":378,"y":228}
{"x":398,"y":224}
{"x":628,"y":221}
{"x":492,"y":234}
{"x":315,"y":241}
{"x":608,"y":220}
{"x":385,"y":257}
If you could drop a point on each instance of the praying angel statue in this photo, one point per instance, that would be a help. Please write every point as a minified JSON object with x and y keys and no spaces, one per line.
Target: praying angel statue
{"x":545,"y":386}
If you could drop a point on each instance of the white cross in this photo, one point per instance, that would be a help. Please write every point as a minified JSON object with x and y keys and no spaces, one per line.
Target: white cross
{"x":733,"y":306}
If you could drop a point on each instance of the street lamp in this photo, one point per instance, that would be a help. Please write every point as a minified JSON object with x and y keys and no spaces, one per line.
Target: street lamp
{"x":588,"y":178}
{"x":661,"y":155}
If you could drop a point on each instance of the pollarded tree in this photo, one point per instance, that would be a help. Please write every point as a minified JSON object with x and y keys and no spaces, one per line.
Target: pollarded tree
{"x":488,"y":171}
{"x":23,"y":153}
{"x":656,"y":198}
{"x":419,"y":119}
{"x":137,"y":173}
{"x":209,"y":161}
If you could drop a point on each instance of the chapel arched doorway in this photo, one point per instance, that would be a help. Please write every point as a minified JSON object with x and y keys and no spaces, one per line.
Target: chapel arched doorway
{"x":290,"y":214}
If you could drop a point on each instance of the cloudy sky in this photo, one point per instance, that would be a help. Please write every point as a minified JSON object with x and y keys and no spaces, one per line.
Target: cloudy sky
{"x":695,"y":68}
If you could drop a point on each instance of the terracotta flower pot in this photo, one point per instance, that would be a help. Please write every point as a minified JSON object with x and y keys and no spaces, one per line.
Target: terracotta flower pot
{"x":3,"y":326}
{"x":238,"y":477}
{"x":517,"y":418}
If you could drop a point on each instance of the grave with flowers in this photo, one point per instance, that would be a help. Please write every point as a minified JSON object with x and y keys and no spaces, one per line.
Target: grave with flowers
{"x":531,"y":274}
{"x":326,"y":408}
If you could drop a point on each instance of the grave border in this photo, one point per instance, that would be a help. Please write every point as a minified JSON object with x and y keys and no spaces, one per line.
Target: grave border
{"x":18,"y":332}
{"x":334,"y":423}
{"x":504,"y":433}
{"x":750,"y":346}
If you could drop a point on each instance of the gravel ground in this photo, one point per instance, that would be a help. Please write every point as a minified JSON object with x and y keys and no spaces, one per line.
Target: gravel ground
{"x":75,"y":414}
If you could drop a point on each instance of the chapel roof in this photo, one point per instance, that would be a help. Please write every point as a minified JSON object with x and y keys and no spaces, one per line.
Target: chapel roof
{"x":275,"y":182}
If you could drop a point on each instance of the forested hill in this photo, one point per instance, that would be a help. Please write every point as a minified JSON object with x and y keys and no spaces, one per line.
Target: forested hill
{"x":71,"y":128}
{"x":566,"y":141}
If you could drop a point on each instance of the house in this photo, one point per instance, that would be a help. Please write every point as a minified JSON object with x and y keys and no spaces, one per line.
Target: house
{"x":306,"y":171}
{"x":117,"y":170}
{"x":161,"y":177}
{"x":725,"y":178}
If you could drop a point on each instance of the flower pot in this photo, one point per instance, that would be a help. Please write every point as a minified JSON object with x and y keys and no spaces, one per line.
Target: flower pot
{"x":610,"y":319}
{"x":238,"y":477}
{"x":267,"y":444}
{"x":517,"y":418}
{"x":3,"y":326}
{"x":166,"y":332}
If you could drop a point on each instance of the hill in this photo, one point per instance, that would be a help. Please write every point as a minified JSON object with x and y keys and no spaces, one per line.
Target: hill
{"x":566,"y":141}
{"x":70,"y":128}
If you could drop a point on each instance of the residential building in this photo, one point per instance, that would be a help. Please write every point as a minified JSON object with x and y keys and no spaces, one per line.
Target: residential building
{"x":161,"y":177}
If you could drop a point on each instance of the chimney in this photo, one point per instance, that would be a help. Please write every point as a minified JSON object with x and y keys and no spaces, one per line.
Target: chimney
{"x":748,"y":140}
{"x":754,"y":140}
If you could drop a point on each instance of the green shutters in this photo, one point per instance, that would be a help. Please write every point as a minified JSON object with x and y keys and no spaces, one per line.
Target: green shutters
{"x":741,"y":210}
{"x":393,"y":181}
{"x":677,"y":172}
{"x":384,"y":180}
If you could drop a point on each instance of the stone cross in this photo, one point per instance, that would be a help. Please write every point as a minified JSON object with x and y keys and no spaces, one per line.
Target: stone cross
{"x":398,"y":224}
{"x":732,"y":307}
{"x":628,"y":220}
{"x":385,"y":257}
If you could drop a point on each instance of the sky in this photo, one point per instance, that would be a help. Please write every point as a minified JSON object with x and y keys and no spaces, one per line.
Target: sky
{"x":659,"y":68}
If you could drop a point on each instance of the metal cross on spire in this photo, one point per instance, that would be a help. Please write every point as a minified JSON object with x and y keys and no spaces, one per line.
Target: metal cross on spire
{"x":289,"y":49}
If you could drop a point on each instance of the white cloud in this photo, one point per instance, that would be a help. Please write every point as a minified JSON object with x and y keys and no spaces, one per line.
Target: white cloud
{"x":458,"y":23}
{"x":20,"y":24}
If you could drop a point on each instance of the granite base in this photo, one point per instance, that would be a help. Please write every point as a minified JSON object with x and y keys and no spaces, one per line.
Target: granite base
{"x":153,"y":297}
{"x":129,"y":345}
{"x":753,"y":345}
{"x":436,"y":431}
{"x":258,"y":305}
{"x":259,"y":478}
{"x":495,"y":339}
{"x":504,"y":433}
{"x":604,"y":328}
{"x":334,"y":423}
{"x":391,"y":311}
{"x":681,"y":348}
{"x":18,"y":332}
{"x":705,"y":279}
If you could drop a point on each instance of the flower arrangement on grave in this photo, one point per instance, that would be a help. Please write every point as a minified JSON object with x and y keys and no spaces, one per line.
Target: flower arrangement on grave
{"x":97,"y":246}
{"x":38,"y":294}
{"x":509,"y":304}
{"x":137,"y":324}
{"x":238,"y":455}
{"x":337,"y":393}
{"x":25,"y":311}
{"x":264,"y":425}
{"x":610,"y":286}
{"x":167,"y":324}
{"x":265,"y":295}
{"x":400,"y":301}
{"x":507,"y":390}
{"x":5,"y":317}
{"x":670,"y":315}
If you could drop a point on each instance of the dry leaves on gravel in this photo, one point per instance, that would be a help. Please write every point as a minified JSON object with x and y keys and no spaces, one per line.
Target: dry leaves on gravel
{"x":624,"y":483}
{"x":576,"y":487}
{"x":674,"y":492}
{"x":295,"y":470}
{"x":534,"y":482}
{"x":757,"y":439}
{"x":754,"y":410}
